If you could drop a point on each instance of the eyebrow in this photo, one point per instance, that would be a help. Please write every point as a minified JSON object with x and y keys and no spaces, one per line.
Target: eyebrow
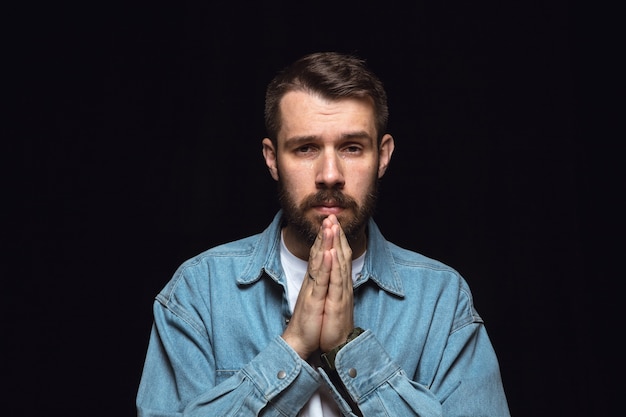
{"x":297,"y":140}
{"x":356,"y":135}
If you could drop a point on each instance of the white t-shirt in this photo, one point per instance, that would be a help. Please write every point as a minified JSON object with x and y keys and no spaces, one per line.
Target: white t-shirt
{"x":321,"y":403}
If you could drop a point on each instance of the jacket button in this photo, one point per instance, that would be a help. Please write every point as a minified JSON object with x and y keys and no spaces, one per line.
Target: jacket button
{"x":281,"y":374}
{"x":352,"y":372}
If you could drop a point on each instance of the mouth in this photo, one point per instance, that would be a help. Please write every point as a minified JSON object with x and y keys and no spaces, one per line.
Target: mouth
{"x":327,"y":202}
{"x":328,"y":207}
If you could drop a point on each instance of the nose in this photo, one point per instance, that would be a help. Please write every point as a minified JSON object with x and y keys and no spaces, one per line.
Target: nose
{"x":329,"y":170}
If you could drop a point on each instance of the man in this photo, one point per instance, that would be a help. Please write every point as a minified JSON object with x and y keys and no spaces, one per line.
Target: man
{"x":319,"y":315}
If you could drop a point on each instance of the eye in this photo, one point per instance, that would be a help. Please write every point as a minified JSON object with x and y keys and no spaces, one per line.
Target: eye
{"x":352,"y":149}
{"x":305,"y":149}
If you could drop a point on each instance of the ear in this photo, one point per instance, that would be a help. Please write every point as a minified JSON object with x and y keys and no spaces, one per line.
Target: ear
{"x":385,"y":151}
{"x":269,"y":153}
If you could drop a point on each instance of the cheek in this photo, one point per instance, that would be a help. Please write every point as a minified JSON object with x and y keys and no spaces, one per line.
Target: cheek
{"x":296,"y":181}
{"x":363,"y":186}
{"x":361,"y":177}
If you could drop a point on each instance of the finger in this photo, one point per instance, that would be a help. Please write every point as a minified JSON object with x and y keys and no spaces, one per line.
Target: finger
{"x":320,"y":263}
{"x":340,"y":241}
{"x":327,"y":225}
{"x":323,"y":276}
{"x":338,"y":308}
{"x":316,"y":253}
{"x":345,"y":245}
{"x":342,"y":261}
{"x":340,"y":276}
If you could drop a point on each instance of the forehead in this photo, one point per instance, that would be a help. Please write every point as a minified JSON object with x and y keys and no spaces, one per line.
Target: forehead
{"x":304,"y":113}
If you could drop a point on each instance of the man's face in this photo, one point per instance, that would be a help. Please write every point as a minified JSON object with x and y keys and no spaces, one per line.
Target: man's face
{"x":327,"y":162}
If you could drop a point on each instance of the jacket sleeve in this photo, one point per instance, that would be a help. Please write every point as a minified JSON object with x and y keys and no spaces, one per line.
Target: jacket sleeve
{"x":179,"y":377}
{"x":467,"y":382}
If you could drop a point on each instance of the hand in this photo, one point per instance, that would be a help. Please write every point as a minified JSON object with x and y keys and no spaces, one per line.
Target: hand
{"x":338,"y":318}
{"x":323,"y":314}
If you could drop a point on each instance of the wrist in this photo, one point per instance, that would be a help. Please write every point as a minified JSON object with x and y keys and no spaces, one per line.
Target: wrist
{"x":328,"y":358}
{"x":297,"y":345}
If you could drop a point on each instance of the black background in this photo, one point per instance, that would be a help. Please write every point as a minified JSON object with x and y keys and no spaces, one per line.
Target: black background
{"x":136,"y":145}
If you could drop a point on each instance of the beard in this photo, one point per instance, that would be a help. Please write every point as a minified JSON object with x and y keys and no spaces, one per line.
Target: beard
{"x":308,"y":227}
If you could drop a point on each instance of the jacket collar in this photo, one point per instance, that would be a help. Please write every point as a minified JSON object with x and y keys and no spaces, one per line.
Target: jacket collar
{"x":379,"y":265}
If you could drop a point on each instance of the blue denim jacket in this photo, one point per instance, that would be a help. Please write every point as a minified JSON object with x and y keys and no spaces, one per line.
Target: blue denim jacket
{"x":215,"y":347}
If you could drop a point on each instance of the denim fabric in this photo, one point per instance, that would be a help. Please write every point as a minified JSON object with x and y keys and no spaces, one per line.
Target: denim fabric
{"x":215,"y":347}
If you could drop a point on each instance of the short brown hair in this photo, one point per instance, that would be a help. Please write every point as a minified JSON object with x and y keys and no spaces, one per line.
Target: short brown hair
{"x":333,"y":76}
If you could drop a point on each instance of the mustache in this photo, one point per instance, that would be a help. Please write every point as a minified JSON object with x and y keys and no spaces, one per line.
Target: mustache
{"x":329,"y":197}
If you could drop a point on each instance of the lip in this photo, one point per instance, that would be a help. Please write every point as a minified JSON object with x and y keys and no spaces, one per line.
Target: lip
{"x":328,"y":209}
